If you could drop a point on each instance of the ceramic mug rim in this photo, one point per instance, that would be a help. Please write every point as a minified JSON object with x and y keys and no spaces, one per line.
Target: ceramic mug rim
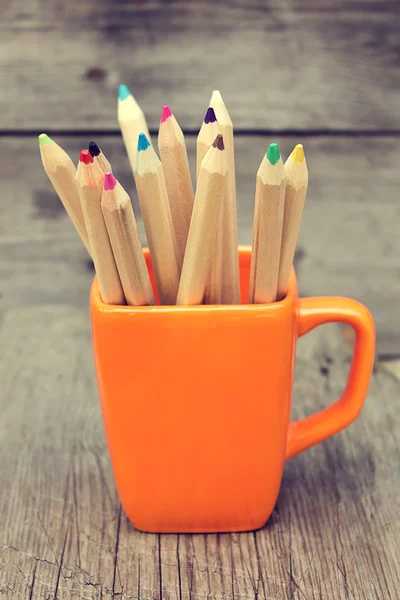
{"x":244,"y":252}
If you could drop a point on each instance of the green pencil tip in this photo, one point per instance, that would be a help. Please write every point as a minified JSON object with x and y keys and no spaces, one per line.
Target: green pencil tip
{"x":44,"y":139}
{"x":123,"y":92}
{"x":273,"y":154}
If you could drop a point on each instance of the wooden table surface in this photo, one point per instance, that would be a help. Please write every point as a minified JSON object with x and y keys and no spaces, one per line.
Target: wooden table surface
{"x":320,"y":72}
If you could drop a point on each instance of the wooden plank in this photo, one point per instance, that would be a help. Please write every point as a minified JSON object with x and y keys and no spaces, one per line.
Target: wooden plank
{"x":292,"y":65}
{"x":341,"y":488}
{"x":349,"y":243}
{"x":17,"y":573}
{"x":58,"y":506}
{"x":332,"y":534}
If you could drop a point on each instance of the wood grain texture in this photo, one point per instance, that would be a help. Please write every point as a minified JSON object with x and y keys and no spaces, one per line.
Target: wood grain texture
{"x":349,"y":243}
{"x":63,"y":535}
{"x":279,"y":65}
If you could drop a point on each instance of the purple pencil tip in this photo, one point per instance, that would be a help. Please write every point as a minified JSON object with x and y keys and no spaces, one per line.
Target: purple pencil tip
{"x":210,"y":116}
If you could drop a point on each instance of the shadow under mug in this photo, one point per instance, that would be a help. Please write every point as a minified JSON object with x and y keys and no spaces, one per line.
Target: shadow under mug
{"x":196,"y":403}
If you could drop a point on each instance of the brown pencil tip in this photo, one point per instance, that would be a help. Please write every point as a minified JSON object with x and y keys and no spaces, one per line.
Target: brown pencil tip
{"x":219,"y":142}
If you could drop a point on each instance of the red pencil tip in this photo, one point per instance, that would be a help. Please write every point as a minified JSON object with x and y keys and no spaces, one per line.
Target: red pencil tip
{"x":166,"y":113}
{"x":109,"y":181}
{"x":86,"y":157}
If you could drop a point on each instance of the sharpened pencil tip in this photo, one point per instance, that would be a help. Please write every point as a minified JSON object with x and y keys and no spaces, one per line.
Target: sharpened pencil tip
{"x":219,"y":142}
{"x":44,"y":139}
{"x":143,"y":142}
{"x":216,"y":97}
{"x":123,"y":92}
{"x":298,"y":153}
{"x":166,"y":113}
{"x":109,"y":181}
{"x":210,"y":116}
{"x":273,"y":154}
{"x":94,"y":149}
{"x":85,"y":157}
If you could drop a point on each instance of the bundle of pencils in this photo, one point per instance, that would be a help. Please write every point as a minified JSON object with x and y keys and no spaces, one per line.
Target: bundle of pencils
{"x":192,"y":235}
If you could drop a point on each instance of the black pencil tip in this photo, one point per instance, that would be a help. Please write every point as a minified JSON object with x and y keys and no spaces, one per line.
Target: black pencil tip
{"x":219,"y":142}
{"x":210,"y":116}
{"x":94,"y":149}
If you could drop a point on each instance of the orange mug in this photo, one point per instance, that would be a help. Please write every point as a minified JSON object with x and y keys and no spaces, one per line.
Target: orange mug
{"x":196,"y":403}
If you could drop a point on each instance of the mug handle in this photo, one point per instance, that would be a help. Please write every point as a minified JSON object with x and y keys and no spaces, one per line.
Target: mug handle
{"x":312,"y":312}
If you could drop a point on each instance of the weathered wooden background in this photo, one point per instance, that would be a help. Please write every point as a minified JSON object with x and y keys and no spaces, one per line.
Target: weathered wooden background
{"x":320,"y":72}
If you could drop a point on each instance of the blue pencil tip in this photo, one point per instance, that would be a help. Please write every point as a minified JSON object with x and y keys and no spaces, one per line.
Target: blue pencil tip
{"x":143,"y":142}
{"x":123,"y":92}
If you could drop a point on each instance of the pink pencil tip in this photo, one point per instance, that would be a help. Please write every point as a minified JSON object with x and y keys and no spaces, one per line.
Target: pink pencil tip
{"x":109,"y":181}
{"x":166,"y":113}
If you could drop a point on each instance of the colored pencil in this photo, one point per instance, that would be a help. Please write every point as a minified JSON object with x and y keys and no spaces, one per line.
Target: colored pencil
{"x":131,"y":121}
{"x":207,"y":134}
{"x":62,"y":173}
{"x":156,"y":214}
{"x":99,"y":157}
{"x":230,"y":273}
{"x":207,"y":208}
{"x":124,"y":237}
{"x":267,"y":230}
{"x":296,"y":190}
{"x":172,"y":148}
{"x":214,"y":285}
{"x":90,"y":184}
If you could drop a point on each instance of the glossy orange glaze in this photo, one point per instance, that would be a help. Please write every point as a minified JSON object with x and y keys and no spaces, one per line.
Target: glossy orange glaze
{"x":196,"y":403}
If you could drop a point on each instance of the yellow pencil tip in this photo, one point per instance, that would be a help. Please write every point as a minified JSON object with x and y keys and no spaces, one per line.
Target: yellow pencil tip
{"x":298,"y":153}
